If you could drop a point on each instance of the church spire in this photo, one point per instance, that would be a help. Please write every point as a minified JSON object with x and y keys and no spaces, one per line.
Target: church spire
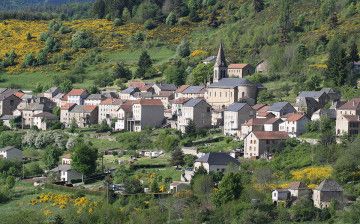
{"x":220,"y":59}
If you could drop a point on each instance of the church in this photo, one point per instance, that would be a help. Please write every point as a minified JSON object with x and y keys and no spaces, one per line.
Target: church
{"x":222,"y":91}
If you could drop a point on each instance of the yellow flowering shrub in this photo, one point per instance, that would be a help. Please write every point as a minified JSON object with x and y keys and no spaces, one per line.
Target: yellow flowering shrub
{"x":198,"y":52}
{"x":312,"y":174}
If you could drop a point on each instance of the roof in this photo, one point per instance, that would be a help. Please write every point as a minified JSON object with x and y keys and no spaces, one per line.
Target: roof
{"x":166,"y":86}
{"x":312,"y":94}
{"x":258,"y":106}
{"x":35,"y":106}
{"x":8,"y":148}
{"x":194,"y":90}
{"x":210,"y":59}
{"x":181,"y":100}
{"x":193,"y":102}
{"x":176,"y":183}
{"x":272,"y":120}
{"x":46,"y":115}
{"x":307,"y":102}
{"x":220,"y":58}
{"x":353,"y":118}
{"x":165,"y":94}
{"x":68,"y":106}
{"x":181,"y":88}
{"x":236,"y":107}
{"x":95,"y":97}
{"x":298,"y":185}
{"x":149,"y":102}
{"x":329,"y":185}
{"x":83,"y":109}
{"x":255,"y":121}
{"x":7,"y":117}
{"x":19,"y":94}
{"x":76,"y":92}
{"x":52,"y":89}
{"x":271,"y":134}
{"x":62,"y":167}
{"x":238,"y":66}
{"x":111,"y":101}
{"x":130,"y":90}
{"x":217,"y":158}
{"x":230,"y":83}
{"x":294,"y":116}
{"x":353,"y":104}
{"x":328,"y":90}
{"x":277,"y":107}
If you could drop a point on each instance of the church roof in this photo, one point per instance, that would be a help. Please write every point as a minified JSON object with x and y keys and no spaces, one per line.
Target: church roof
{"x":230,"y":83}
{"x":220,"y":58}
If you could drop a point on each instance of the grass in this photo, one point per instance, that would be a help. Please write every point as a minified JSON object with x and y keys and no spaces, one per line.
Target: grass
{"x":164,"y":172}
{"x":104,"y":144}
{"x":27,"y":80}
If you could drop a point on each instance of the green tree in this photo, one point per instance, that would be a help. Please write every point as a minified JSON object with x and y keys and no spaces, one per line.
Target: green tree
{"x":175,"y":74}
{"x":51,"y":157}
{"x":133,"y":186}
{"x":353,"y":51}
{"x":229,"y":189}
{"x":302,"y":211}
{"x":51,"y":45}
{"x":285,"y":23}
{"x":202,"y":186}
{"x":200,"y":74}
{"x":333,"y":21}
{"x":154,"y":187}
{"x":84,"y":158}
{"x":66,"y":86}
{"x":190,"y":129}
{"x":104,"y":127}
{"x":99,"y":8}
{"x":126,"y":16}
{"x":336,"y":70}
{"x":144,"y":65}
{"x":29,"y":60}
{"x":82,"y":39}
{"x":177,"y":158}
{"x":183,"y":49}
{"x":171,"y":19}
{"x":258,"y":5}
{"x":347,"y":165}
{"x":121,"y":72}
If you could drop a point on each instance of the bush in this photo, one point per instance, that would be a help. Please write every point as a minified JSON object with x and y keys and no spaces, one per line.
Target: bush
{"x":138,"y":36}
{"x":171,"y":19}
{"x":117,"y":22}
{"x":82,"y":39}
{"x":150,"y":24}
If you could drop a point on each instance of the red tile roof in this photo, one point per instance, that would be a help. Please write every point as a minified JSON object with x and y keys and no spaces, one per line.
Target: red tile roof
{"x":353,"y":118}
{"x":271,"y":134}
{"x":294,"y":116}
{"x":111,"y":101}
{"x":256,"y":121}
{"x":298,"y":185}
{"x":353,"y":104}
{"x":181,"y":100}
{"x":127,"y":105}
{"x":181,"y":88}
{"x":259,"y":106}
{"x":67,"y":106}
{"x":237,"y":66}
{"x":76,"y":92}
{"x":149,"y":102}
{"x":64,"y":97}
{"x":89,"y":108}
{"x":19,"y":94}
{"x":272,"y":120}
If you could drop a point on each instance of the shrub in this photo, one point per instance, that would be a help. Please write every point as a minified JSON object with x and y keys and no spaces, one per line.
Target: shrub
{"x":117,"y":22}
{"x":150,"y":24}
{"x":171,"y":19}
{"x":82,"y":39}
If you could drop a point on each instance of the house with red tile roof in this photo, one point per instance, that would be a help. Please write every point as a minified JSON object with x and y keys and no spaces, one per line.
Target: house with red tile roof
{"x":64,"y":113}
{"x":108,"y":109}
{"x":83,"y":115}
{"x":294,"y":124}
{"x":260,"y":144}
{"x":77,"y":96}
{"x":240,"y":70}
{"x":348,"y":118}
{"x":123,"y":114}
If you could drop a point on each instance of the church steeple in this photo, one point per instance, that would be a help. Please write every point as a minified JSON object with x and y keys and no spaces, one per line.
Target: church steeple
{"x":220,"y":67}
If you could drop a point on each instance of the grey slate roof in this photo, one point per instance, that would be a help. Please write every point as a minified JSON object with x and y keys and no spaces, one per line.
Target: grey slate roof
{"x":307,"y":102}
{"x":210,"y":59}
{"x":235,"y":107}
{"x":62,"y":167}
{"x":217,"y":158}
{"x":193,"y":102}
{"x":95,"y":97}
{"x":230,"y":83}
{"x":52,"y":89}
{"x":193,"y":89}
{"x":166,"y":86}
{"x":7,"y":117}
{"x":82,"y":109}
{"x":46,"y":115}
{"x":312,"y":94}
{"x":329,"y":185}
{"x":220,"y":58}
{"x":130,"y":90}
{"x":277,"y":107}
{"x":35,"y":106}
{"x":7,"y":148}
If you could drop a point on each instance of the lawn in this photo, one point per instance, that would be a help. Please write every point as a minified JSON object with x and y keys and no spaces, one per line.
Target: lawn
{"x":27,"y":80}
{"x":104,"y":144}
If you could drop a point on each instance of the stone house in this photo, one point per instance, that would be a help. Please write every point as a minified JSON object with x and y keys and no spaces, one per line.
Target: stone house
{"x":77,"y":96}
{"x":108,"y":109}
{"x":234,"y":116}
{"x":294,"y":124}
{"x":11,"y":153}
{"x":333,"y":95}
{"x":281,"y":196}
{"x":262,"y":67}
{"x":280,"y":109}
{"x":260,"y":143}
{"x":326,"y":192}
{"x":253,"y":124}
{"x":215,"y":162}
{"x":83,"y":115}
{"x":299,"y":190}
{"x":330,"y":113}
{"x":197,"y":110}
{"x":29,"y":111}
{"x":66,"y":173}
{"x":190,"y":91}
{"x":142,"y":86}
{"x":123,"y":114}
{"x":64,"y":113}
{"x":240,"y":70}
{"x":272,"y":124}
{"x":320,"y":96}
{"x":94,"y":99}
{"x":165,"y":97}
{"x":177,"y":105}
{"x":128,"y":93}
{"x":158,"y":87}
{"x":52,"y":92}
{"x":43,"y":120}
{"x":177,"y":186}
{"x":348,"y":118}
{"x":146,"y":113}
{"x":179,"y":90}
{"x":8,"y":102}
{"x":307,"y":105}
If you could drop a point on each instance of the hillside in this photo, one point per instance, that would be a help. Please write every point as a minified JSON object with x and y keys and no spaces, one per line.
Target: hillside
{"x":18,"y":4}
{"x":249,"y":37}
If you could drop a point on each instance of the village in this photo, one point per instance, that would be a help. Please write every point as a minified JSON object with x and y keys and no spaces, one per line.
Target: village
{"x":227,"y":101}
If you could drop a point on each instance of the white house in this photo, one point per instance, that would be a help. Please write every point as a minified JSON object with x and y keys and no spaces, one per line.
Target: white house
{"x":294,"y":124}
{"x":215,"y":161}
{"x":178,"y":186}
{"x":236,"y":115}
{"x":11,"y":153}
{"x":66,"y":173}
{"x":280,"y":196}
{"x":77,"y":96}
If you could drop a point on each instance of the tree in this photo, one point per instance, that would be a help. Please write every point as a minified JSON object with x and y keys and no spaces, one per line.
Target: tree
{"x":121,"y":72}
{"x":154,"y":187}
{"x":353,"y":51}
{"x":84,"y":158}
{"x":347,"y":165}
{"x":333,"y":21}
{"x":144,"y":64}
{"x":104,"y":127}
{"x":126,"y":16}
{"x":175,"y":74}
{"x":66,"y":86}
{"x":302,"y":211}
{"x":337,"y":62}
{"x":285,"y":23}
{"x":258,"y":5}
{"x":183,"y":49}
{"x":189,"y":160}
{"x":229,"y":189}
{"x":177,"y":158}
{"x":171,"y":19}
{"x":202,"y":186}
{"x":51,"y":157}
{"x":82,"y":39}
{"x":190,"y":129}
{"x":29,"y":60}
{"x":99,"y":8}
{"x":200,"y":74}
{"x":133,"y":186}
